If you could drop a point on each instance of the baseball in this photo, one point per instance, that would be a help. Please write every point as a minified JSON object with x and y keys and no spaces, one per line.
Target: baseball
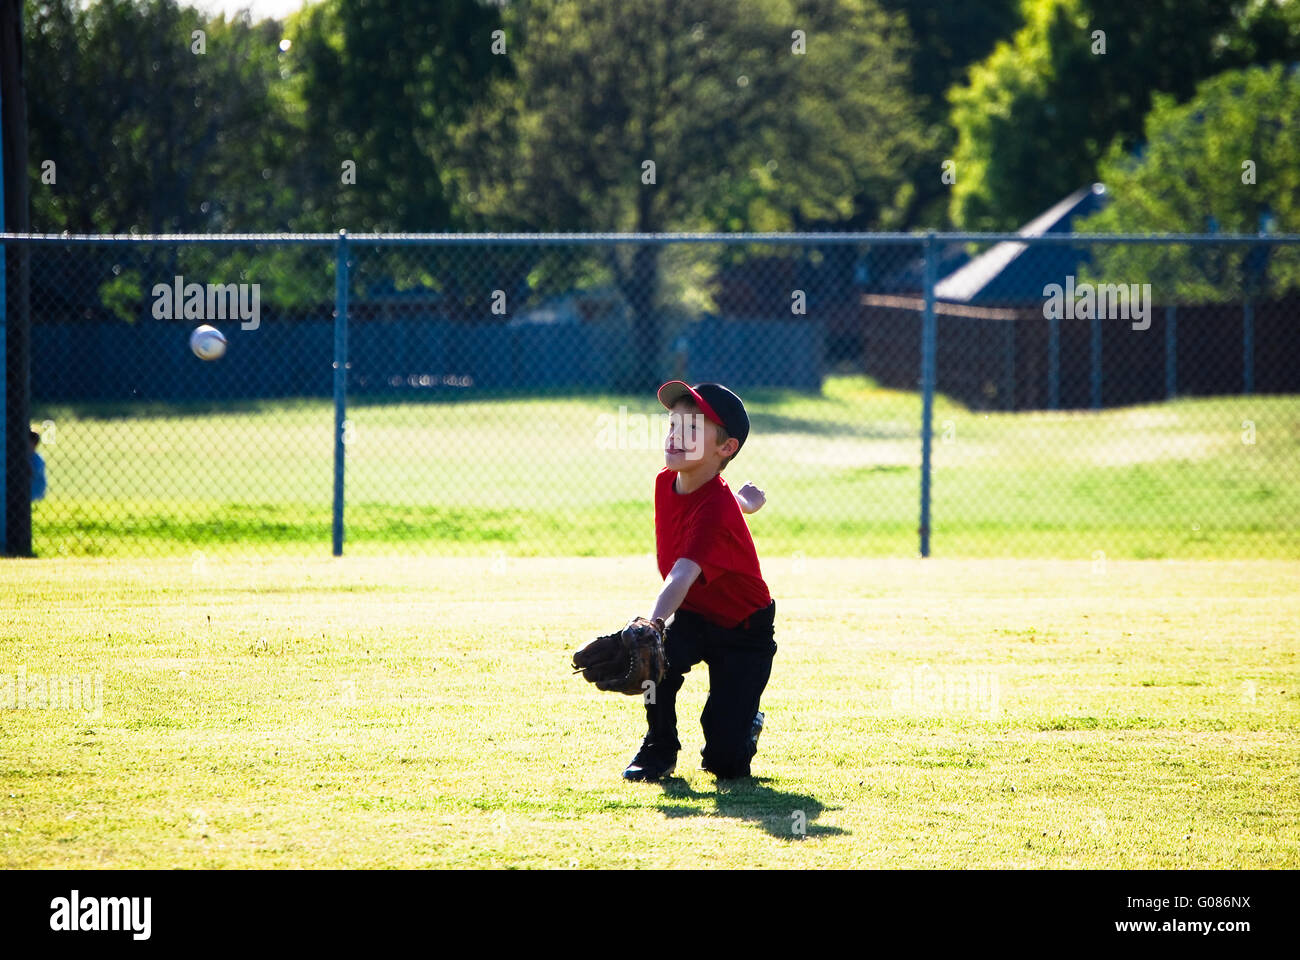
{"x":208,"y":343}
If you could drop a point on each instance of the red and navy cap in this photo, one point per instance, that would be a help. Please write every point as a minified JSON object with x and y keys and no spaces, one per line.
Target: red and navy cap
{"x":715,"y":401}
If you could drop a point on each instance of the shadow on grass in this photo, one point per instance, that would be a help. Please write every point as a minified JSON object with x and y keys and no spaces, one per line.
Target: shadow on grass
{"x":789,"y":816}
{"x":851,"y":425}
{"x":178,"y":409}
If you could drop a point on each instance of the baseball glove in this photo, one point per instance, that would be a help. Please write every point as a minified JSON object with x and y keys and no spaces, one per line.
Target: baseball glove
{"x":624,"y":661}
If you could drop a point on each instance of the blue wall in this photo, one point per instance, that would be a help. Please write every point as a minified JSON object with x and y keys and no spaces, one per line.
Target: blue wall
{"x":151,"y":360}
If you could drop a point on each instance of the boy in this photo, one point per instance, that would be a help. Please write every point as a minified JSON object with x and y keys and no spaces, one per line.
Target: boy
{"x":712,"y":581}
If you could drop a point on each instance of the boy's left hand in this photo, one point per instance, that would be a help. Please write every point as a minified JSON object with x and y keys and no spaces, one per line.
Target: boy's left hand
{"x":750,"y":497}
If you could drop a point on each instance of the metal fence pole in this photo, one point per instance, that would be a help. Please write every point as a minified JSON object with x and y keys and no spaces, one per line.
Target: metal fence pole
{"x":1053,"y":363}
{"x":1248,"y":348}
{"x":927,"y":389}
{"x":1171,"y":351}
{"x":1095,"y":363}
{"x":341,"y":278}
{"x":1009,"y":366}
{"x":4,"y":360}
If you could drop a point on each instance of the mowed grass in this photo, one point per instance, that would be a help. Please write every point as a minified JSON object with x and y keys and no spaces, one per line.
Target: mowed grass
{"x":561,"y":476}
{"x":368,"y":712}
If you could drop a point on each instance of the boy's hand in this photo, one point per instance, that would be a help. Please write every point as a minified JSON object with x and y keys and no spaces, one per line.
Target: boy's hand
{"x":750,"y":497}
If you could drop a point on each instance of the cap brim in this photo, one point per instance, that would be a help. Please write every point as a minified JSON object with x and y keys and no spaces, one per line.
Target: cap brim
{"x":675,"y":390}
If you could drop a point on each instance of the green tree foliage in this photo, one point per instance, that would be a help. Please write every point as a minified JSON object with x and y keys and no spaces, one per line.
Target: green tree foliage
{"x":151,"y":117}
{"x":1038,"y":114}
{"x":947,"y":37}
{"x":380,"y":83}
{"x":1228,"y":158}
{"x":146,"y":134}
{"x":743,"y":131}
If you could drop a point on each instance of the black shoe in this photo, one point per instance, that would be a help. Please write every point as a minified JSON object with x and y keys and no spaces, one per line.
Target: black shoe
{"x":651,"y":764}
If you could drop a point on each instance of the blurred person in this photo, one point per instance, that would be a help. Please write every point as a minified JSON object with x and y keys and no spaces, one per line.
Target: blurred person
{"x":38,"y":468}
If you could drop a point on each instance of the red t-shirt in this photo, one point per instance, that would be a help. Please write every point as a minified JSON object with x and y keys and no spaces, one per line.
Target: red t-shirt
{"x":708,"y":527}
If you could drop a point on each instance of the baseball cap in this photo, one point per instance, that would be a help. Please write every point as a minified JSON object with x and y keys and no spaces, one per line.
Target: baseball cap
{"x":715,"y":401}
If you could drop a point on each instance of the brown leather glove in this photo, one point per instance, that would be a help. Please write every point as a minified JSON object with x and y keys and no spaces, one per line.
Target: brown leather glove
{"x":627,"y":661}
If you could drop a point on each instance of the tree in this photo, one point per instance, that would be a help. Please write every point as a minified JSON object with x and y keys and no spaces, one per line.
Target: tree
{"x":148,"y":127}
{"x":151,"y":118}
{"x":378,"y":84}
{"x":1230,"y":157}
{"x":653,"y":115}
{"x":1038,"y":114}
{"x":948,"y":37}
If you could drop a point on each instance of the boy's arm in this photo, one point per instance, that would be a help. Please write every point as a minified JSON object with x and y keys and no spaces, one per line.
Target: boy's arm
{"x":676,"y":584}
{"x":750,"y":498}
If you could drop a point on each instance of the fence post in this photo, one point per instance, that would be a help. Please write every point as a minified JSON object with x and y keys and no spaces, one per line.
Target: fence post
{"x":4,"y":359}
{"x":4,"y":388}
{"x":927,"y":389}
{"x":341,"y":278}
{"x":1248,"y":348}
{"x":1171,"y":351}
{"x":1053,"y":363}
{"x":1009,"y":365}
{"x":16,"y":504}
{"x":1095,"y":363}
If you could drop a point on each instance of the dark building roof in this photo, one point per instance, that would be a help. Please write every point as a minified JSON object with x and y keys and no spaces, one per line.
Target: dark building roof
{"x":1010,"y":273}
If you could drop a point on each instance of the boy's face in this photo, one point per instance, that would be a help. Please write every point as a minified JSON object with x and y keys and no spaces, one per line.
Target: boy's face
{"x":692,"y":441}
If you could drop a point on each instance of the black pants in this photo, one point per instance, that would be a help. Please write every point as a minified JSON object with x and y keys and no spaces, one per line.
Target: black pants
{"x":740,"y":662}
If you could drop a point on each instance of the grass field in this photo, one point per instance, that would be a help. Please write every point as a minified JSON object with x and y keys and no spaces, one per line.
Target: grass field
{"x":1125,"y":693}
{"x":1199,"y":478}
{"x":365,"y":712}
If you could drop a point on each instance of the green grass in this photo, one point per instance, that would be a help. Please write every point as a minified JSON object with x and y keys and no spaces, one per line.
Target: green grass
{"x":530,"y":477}
{"x":366,"y":712}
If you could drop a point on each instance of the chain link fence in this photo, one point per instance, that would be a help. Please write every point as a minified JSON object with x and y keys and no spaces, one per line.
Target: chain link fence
{"x":1092,"y":397}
